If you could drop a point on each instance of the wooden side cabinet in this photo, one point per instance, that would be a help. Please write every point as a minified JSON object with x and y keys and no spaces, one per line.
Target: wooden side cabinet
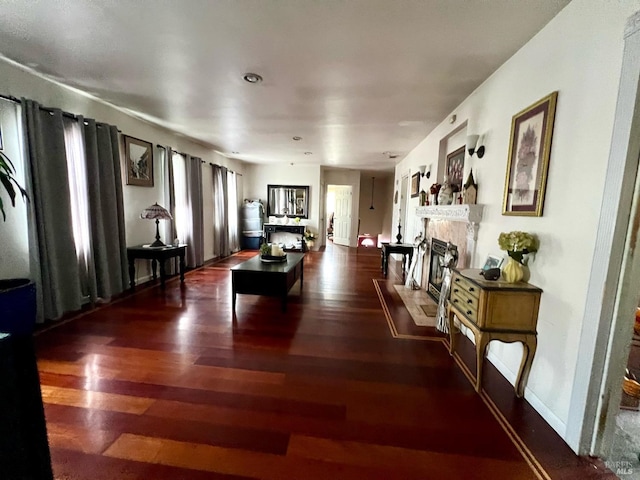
{"x":495,"y":310}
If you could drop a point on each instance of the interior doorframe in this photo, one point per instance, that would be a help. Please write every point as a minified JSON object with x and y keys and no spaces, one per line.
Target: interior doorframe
{"x":615,"y":272}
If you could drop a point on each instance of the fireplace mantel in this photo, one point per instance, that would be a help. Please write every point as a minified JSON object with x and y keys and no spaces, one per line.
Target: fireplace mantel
{"x":454,"y":213}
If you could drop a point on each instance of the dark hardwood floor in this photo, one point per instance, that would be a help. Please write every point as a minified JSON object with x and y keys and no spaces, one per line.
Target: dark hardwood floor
{"x":167,"y":384}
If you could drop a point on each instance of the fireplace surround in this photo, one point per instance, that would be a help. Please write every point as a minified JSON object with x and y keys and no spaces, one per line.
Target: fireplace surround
{"x":457,"y":224}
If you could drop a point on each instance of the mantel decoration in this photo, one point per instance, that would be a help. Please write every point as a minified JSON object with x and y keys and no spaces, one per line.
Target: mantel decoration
{"x":139,"y":157}
{"x":528,"y":164}
{"x":470,"y":190}
{"x":434,"y":189}
{"x":517,"y":244}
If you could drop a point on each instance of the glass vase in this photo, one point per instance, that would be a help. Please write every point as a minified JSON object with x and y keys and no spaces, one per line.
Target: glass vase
{"x":513,"y":271}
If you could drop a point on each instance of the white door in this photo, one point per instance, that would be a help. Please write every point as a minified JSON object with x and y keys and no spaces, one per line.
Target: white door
{"x":342,"y":216}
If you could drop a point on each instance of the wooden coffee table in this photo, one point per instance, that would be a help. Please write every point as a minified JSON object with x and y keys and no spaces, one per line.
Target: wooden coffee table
{"x":255,"y":277}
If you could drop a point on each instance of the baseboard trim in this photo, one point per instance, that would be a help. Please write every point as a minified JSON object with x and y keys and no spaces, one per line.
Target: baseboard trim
{"x":551,"y":418}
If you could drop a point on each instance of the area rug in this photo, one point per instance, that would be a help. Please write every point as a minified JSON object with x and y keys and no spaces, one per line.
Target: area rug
{"x":400,"y":321}
{"x":420,"y":306}
{"x":430,"y":310}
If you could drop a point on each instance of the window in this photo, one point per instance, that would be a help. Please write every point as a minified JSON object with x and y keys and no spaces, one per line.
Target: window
{"x":79,"y":198}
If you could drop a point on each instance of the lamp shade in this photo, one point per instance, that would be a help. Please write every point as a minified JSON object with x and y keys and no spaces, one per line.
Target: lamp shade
{"x":156,"y":211}
{"x":472,"y":141}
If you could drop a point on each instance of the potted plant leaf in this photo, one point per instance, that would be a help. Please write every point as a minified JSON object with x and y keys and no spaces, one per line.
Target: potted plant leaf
{"x":17,"y":295}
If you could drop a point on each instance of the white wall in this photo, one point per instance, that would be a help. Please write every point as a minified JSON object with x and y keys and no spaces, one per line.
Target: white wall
{"x":579,"y":54}
{"x":20,"y":83}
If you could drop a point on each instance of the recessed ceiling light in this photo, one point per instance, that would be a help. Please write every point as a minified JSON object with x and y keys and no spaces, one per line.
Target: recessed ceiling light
{"x":386,"y":152}
{"x":308,"y":153}
{"x":252,"y":78}
{"x":235,"y":153}
{"x":297,"y":138}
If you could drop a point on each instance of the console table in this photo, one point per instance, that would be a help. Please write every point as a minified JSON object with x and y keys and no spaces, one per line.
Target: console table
{"x":271,"y":228}
{"x":405,"y":249}
{"x":155,"y":254}
{"x":495,"y":310}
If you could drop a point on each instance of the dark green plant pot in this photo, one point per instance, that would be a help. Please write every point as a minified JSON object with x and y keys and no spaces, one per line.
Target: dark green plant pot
{"x":17,"y":306}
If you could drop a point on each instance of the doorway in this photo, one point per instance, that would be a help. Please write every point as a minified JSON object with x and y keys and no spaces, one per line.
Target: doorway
{"x":339,"y":206}
{"x":614,"y":286}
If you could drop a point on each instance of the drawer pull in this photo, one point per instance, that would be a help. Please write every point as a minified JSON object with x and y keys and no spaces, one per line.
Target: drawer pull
{"x":457,"y":280}
{"x":469,"y":312}
{"x":471,"y":289}
{"x":455,"y":290}
{"x":469,"y":302}
{"x":455,"y":300}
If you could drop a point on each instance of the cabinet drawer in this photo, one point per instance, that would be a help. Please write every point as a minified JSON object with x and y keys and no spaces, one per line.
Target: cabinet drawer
{"x":465,"y":304}
{"x":464,"y":285}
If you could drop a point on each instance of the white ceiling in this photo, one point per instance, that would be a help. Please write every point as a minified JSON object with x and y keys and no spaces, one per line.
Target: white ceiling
{"x":354,"y":78}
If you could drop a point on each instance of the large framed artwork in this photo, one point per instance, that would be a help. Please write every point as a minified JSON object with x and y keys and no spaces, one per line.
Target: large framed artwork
{"x":455,"y":167}
{"x":415,"y":184}
{"x":528,"y":164}
{"x":139,"y":157}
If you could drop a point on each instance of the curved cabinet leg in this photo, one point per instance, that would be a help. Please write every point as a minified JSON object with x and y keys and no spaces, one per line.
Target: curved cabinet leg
{"x":482,"y":340}
{"x":529,"y":346}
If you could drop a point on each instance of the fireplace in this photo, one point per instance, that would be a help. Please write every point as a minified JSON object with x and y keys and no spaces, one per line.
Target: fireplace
{"x":438,"y":249}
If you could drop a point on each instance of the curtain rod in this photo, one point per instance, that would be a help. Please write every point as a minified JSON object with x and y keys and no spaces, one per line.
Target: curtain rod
{"x":201,"y":161}
{"x":10,"y":98}
{"x":216,"y":165}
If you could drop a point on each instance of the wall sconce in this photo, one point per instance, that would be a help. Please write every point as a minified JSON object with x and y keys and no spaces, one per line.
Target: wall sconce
{"x":475,"y":144}
{"x":422,"y":169}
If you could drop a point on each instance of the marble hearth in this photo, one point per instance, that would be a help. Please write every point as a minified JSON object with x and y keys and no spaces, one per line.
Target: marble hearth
{"x":457,"y":224}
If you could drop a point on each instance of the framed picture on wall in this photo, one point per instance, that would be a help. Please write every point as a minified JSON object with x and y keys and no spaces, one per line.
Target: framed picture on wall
{"x":528,"y":162}
{"x":455,"y":167}
{"x":139,"y":158}
{"x":415,"y":184}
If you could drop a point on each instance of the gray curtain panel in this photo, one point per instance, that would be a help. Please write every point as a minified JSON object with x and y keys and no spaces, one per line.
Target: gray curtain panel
{"x":55,"y":270}
{"x":106,"y":210}
{"x":195,"y":251}
{"x":220,"y":220}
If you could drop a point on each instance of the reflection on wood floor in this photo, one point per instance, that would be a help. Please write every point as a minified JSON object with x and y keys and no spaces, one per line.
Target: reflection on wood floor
{"x":166,"y":385}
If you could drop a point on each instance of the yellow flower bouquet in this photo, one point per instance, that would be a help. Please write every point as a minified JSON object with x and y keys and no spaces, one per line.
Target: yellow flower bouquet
{"x":517,"y":244}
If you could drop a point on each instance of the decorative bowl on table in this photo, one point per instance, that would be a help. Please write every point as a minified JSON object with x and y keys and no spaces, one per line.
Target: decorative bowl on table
{"x":273,"y":258}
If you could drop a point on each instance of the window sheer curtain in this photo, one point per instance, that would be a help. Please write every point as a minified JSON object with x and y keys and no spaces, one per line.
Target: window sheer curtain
{"x":220,"y":212}
{"x":169,"y":227}
{"x":232,"y":209}
{"x":76,"y":216}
